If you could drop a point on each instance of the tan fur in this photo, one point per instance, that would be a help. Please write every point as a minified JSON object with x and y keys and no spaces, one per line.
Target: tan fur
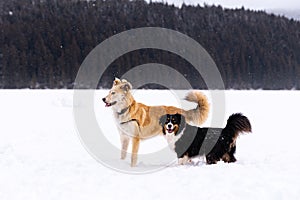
{"x":138,"y":121}
{"x":234,"y":140}
{"x":226,"y":158}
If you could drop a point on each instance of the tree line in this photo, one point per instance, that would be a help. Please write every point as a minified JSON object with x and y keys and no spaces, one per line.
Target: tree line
{"x":44,"y":42}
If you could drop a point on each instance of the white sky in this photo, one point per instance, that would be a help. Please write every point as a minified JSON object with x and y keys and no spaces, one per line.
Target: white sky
{"x":251,"y":4}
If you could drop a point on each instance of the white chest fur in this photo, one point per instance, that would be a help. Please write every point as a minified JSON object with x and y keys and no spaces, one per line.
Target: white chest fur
{"x":172,"y":138}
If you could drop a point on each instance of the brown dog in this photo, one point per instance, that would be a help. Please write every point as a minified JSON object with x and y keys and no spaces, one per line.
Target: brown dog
{"x":137,"y":121}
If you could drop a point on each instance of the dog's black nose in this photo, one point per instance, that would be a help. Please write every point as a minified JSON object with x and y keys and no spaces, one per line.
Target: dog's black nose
{"x":104,"y":100}
{"x":169,"y":126}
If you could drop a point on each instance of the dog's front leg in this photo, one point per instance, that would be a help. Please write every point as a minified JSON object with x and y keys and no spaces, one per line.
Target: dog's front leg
{"x":135,"y":149}
{"x":124,"y":145}
{"x":183,"y":160}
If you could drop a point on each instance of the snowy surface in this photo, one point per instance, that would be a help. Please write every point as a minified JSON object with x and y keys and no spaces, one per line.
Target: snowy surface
{"x":288,"y":8}
{"x":42,"y":157}
{"x":253,"y":4}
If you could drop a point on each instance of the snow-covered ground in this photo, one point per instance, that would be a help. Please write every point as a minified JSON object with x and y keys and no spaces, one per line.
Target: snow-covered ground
{"x":42,"y":156}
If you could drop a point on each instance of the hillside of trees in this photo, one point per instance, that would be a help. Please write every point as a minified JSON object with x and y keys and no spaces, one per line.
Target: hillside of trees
{"x":44,"y":42}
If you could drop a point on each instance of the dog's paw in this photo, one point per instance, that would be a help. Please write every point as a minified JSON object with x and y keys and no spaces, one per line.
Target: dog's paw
{"x":123,"y":155}
{"x":133,"y":164}
{"x":184,"y":160}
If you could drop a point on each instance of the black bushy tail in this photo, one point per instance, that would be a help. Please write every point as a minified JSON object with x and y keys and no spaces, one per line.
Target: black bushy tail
{"x":238,"y":123}
{"x":226,"y":146}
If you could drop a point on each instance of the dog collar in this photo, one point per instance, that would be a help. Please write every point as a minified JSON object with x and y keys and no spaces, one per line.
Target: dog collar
{"x":123,"y":111}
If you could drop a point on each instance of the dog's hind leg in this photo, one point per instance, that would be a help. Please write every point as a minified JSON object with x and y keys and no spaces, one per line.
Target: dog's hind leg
{"x":211,"y":159}
{"x":124,"y":143}
{"x":231,"y":154}
{"x":135,"y":149}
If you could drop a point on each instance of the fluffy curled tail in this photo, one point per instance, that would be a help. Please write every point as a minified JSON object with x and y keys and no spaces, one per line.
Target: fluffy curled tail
{"x":238,"y":123}
{"x":198,"y":115}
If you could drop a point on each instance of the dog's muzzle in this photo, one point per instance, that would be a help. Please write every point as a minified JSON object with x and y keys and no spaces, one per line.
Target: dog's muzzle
{"x":170,"y":128}
{"x":107,"y":104}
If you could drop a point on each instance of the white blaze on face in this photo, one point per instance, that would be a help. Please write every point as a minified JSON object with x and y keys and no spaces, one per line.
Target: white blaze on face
{"x":170,"y":128}
{"x":170,"y":135}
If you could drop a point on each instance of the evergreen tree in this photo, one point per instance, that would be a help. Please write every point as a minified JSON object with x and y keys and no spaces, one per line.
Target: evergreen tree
{"x":43,"y":42}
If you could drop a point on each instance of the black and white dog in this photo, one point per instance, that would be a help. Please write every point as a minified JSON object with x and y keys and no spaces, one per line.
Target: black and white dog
{"x":215,"y":143}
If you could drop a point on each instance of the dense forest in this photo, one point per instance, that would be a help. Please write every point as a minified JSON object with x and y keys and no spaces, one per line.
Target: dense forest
{"x":44,"y":42}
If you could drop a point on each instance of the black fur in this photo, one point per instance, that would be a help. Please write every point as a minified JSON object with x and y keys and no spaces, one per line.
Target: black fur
{"x":215,"y":143}
{"x":177,"y":119}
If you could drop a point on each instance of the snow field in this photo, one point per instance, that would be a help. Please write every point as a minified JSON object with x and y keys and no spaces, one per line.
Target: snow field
{"x":41,"y":155}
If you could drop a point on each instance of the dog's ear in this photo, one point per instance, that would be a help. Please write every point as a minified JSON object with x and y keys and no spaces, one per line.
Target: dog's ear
{"x":116,"y":81}
{"x":162,"y":122}
{"x":181,"y":122}
{"x":126,"y":87}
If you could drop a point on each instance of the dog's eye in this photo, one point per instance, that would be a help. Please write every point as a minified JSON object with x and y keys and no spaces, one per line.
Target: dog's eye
{"x":113,"y":93}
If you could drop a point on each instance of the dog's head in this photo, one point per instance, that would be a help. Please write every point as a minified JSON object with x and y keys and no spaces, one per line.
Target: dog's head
{"x":172,"y":124}
{"x":117,"y":93}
